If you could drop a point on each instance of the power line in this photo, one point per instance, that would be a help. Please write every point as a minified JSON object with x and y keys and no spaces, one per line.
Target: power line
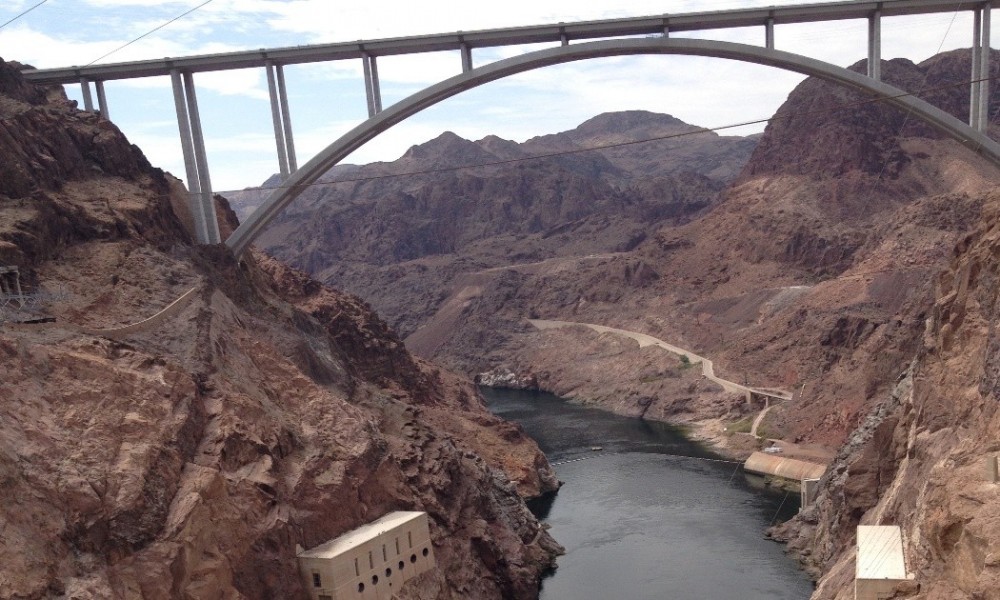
{"x":151,"y":31}
{"x":906,"y":117}
{"x":738,"y":463}
{"x":23,"y":13}
{"x":570,"y":151}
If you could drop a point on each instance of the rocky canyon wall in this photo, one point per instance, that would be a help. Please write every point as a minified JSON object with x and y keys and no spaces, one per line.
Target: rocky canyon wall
{"x":189,"y":459}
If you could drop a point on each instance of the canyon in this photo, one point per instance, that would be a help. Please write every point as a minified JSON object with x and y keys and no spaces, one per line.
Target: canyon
{"x":849,"y":255}
{"x":188,"y":456}
{"x":845,"y":255}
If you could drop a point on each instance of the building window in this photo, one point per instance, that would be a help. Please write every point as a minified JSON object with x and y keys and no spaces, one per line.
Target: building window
{"x":361,"y":587}
{"x":357,"y":570}
{"x":401,"y":565}
{"x":425,"y":551}
{"x":397,"y":546}
{"x":413,"y":558}
{"x":409,"y":538}
{"x":317,"y":581}
{"x":385,"y":557}
{"x":388,"y":572}
{"x":371,"y":560}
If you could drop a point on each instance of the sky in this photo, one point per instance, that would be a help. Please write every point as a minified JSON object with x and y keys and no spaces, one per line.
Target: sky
{"x":326,"y":100}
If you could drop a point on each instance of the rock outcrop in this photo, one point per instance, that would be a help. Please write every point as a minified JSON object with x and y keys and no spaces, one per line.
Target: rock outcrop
{"x":919,"y":460}
{"x":503,"y":377}
{"x":188,"y":459}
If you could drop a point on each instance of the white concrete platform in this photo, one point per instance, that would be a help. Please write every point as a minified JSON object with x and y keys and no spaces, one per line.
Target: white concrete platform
{"x":880,"y":561}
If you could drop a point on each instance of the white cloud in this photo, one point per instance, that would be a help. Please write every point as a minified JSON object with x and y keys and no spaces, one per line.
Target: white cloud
{"x":243,"y":82}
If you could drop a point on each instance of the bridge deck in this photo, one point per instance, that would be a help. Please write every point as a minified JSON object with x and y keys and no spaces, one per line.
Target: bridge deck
{"x":563,"y":32}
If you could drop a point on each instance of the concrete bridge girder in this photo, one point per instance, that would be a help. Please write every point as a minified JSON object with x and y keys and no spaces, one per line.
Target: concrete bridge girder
{"x":299,"y":180}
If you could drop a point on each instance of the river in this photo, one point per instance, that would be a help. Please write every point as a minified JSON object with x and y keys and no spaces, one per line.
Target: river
{"x":651,"y":515}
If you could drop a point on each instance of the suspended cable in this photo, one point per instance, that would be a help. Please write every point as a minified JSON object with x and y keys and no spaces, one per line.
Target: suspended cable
{"x":22,"y":14}
{"x":780,"y":506}
{"x":151,"y":31}
{"x":733,"y":474}
{"x":738,"y":463}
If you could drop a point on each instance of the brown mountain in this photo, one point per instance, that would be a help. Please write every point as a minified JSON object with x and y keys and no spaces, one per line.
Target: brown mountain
{"x":186,"y":456}
{"x":420,"y":231}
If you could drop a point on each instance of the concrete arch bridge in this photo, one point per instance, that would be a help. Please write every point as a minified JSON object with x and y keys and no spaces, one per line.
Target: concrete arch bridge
{"x":623,"y":43}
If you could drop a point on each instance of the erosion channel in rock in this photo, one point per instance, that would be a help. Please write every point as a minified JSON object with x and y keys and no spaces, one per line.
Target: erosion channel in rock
{"x":646,"y":513}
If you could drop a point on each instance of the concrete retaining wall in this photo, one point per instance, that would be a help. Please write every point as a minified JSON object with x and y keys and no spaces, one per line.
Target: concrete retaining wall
{"x":778,"y":466}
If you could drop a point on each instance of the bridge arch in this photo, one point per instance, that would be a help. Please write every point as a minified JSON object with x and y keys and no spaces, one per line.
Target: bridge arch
{"x":299,"y":181}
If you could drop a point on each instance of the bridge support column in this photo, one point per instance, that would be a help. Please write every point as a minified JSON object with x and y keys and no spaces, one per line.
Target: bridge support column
{"x":202,"y":207}
{"x":769,"y":33}
{"x":979,"y":93}
{"x":977,"y":65}
{"x":466,"y":58}
{"x":201,"y":158}
{"x":875,"y":45}
{"x":102,"y":100}
{"x":371,"y":85}
{"x":281,"y":117}
{"x":286,"y":119}
{"x":563,"y":38}
{"x":88,"y":100}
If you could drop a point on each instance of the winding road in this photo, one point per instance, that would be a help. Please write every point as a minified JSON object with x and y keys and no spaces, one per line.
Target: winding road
{"x":707,"y":367}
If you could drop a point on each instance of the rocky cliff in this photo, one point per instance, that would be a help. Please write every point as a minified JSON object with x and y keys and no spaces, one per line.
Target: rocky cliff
{"x":920,"y":458}
{"x":188,"y":458}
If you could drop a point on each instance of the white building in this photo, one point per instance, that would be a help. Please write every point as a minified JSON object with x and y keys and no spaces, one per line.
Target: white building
{"x":370,"y":562}
{"x":880,"y":563}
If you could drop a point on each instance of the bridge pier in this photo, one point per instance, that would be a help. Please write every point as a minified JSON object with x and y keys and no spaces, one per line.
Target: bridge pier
{"x":88,"y":99}
{"x":102,"y":100}
{"x":979,"y":92}
{"x":281,"y":116}
{"x":466,"y":51}
{"x":875,"y":45}
{"x":371,"y":85}
{"x":769,"y":33}
{"x":202,"y":207}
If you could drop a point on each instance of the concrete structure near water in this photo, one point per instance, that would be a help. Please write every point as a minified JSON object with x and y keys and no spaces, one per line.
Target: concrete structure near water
{"x":371,"y":562}
{"x":808,"y":489}
{"x":992,"y":468}
{"x":785,"y":468}
{"x":880,"y":563}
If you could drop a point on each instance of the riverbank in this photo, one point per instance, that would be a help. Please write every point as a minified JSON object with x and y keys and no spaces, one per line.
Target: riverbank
{"x":636,"y":375}
{"x":652,"y":514}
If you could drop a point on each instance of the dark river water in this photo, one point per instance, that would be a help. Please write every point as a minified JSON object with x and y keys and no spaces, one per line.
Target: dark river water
{"x":650,"y":516}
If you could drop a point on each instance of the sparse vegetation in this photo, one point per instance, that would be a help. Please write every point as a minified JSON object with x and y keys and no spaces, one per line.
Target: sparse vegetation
{"x":741,"y":426}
